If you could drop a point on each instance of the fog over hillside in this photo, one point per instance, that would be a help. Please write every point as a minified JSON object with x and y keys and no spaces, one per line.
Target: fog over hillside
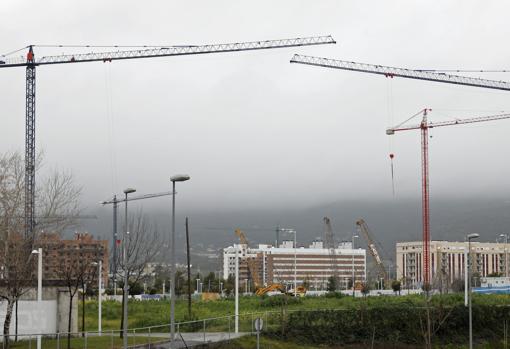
{"x":389,"y":220}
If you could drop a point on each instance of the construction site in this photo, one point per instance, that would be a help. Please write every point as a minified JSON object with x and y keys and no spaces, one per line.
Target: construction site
{"x":178,"y":175}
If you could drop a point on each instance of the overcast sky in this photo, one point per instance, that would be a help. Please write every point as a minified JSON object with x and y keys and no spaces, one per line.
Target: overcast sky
{"x":251,"y":129}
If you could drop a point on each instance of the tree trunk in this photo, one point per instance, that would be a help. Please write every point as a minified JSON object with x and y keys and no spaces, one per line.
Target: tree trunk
{"x":69,"y":321}
{"x":7,"y":322}
{"x":83,"y":313}
{"x":122,"y":316}
{"x":16,"y":323}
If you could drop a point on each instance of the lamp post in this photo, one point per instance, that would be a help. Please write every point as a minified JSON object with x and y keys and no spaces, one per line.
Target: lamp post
{"x":236,"y":291}
{"x":38,"y":252}
{"x":470,"y":265}
{"x":353,"y":286}
{"x":99,"y":294}
{"x":125,"y":267}
{"x":173,"y":179}
{"x":505,"y":235}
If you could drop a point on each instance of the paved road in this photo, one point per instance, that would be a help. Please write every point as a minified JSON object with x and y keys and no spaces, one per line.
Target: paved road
{"x":192,"y":339}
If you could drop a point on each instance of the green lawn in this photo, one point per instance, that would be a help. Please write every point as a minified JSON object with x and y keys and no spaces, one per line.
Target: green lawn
{"x":154,"y":313}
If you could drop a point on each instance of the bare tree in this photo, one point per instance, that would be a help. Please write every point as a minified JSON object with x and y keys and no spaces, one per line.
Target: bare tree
{"x":57,"y":201}
{"x":142,"y":246}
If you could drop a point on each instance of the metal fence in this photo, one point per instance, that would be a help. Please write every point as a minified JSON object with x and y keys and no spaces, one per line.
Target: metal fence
{"x":187,"y":334}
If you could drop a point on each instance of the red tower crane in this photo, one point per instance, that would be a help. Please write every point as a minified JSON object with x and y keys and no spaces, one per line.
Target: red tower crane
{"x":426,"y":75}
{"x":30,"y":62}
{"x":424,"y":127}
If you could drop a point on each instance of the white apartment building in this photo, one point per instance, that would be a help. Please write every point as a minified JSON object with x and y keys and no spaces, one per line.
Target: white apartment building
{"x":448,"y":259}
{"x":281,"y":264}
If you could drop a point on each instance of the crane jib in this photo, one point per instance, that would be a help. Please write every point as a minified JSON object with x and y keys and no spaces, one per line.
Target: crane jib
{"x":391,"y":72}
{"x":170,"y":51}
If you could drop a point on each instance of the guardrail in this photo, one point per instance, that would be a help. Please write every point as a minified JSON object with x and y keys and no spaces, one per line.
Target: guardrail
{"x":188,"y":334}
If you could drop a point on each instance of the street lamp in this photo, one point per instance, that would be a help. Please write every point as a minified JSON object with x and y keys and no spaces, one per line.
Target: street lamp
{"x":353,"y":287}
{"x":470,"y":265}
{"x":173,"y":179}
{"x":99,"y":293}
{"x":38,"y":252}
{"x":125,"y":267}
{"x":506,"y":252}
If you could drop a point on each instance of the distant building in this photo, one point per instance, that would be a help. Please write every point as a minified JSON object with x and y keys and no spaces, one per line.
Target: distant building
{"x":58,"y":252}
{"x":448,"y":259}
{"x":312,"y":264}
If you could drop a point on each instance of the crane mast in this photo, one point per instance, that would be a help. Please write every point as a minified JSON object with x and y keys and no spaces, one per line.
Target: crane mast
{"x":363,"y":228}
{"x":31,"y":63}
{"x":425,"y":75}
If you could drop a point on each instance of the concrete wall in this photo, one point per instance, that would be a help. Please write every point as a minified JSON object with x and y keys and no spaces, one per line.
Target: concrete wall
{"x":52,"y":317}
{"x":33,"y":317}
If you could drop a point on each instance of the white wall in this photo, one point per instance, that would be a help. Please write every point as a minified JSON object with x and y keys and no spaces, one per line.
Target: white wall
{"x":32,"y":317}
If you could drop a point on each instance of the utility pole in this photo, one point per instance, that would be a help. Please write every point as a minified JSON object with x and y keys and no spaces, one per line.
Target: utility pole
{"x":115,"y":239}
{"x":189,"y":268}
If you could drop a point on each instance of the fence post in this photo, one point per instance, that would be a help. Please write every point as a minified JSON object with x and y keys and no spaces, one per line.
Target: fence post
{"x":252,"y":324}
{"x":58,"y":340}
{"x":149,"y":338}
{"x":204,"y":331}
{"x":134,"y":337}
{"x":229,"y":319}
{"x":30,"y":342}
{"x":111,"y":342}
{"x":85,"y":340}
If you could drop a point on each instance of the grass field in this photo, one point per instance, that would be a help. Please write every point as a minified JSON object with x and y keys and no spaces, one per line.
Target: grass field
{"x":154,"y":313}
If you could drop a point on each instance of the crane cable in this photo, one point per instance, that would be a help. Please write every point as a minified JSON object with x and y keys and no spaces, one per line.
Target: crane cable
{"x":389,"y":110}
{"x":110,"y":126}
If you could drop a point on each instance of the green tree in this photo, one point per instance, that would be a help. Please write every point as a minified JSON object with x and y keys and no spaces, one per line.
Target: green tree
{"x":396,"y":286}
{"x":181,"y":285}
{"x":332,"y":284}
{"x":365,"y":288}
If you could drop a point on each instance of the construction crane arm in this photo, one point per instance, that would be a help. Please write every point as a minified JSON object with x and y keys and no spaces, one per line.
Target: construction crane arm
{"x":252,"y":265}
{"x":168,"y":51}
{"x":401,"y":72}
{"x":363,"y":228}
{"x":391,"y":131}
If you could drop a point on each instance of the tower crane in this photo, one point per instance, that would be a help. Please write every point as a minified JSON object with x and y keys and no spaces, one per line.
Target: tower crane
{"x":363,"y":228}
{"x":424,"y":127}
{"x":426,"y":75}
{"x":30,"y":62}
{"x":329,"y":242}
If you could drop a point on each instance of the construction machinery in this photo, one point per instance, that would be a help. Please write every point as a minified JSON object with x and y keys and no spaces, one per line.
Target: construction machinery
{"x":30,"y":62}
{"x":271,"y":288}
{"x":424,"y":127}
{"x":329,"y":243}
{"x":252,"y":264}
{"x":363,"y":229}
{"x":426,"y":75}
